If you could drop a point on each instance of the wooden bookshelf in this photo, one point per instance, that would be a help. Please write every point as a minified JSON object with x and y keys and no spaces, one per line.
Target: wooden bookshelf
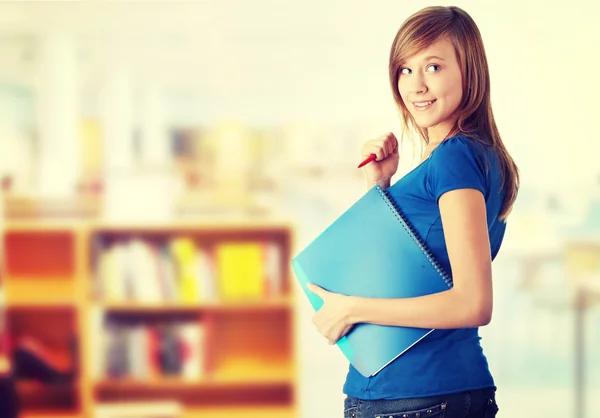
{"x":256,"y":305}
{"x":49,"y":276}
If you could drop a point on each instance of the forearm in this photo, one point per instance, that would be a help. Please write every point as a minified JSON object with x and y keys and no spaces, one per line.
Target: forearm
{"x":445,"y":310}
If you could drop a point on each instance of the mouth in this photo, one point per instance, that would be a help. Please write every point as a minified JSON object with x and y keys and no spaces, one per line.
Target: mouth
{"x":423,"y":105}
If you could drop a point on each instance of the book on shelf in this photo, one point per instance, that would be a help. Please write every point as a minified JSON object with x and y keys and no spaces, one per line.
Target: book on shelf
{"x":179,"y":270}
{"x":150,"y":352}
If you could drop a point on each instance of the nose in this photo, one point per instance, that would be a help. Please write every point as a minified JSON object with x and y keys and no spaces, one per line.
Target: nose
{"x":418,"y":85}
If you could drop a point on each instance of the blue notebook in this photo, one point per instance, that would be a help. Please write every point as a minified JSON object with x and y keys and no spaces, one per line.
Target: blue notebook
{"x":371,"y":251}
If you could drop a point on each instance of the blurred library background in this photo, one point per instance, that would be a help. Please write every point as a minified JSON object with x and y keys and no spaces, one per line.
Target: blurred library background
{"x":162,"y":162}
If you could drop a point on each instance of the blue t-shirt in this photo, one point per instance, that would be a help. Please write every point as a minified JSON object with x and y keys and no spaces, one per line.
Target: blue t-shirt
{"x":447,"y":360}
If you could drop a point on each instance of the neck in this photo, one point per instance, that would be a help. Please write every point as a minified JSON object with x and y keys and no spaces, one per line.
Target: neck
{"x":429,"y":149}
{"x":436,"y":134}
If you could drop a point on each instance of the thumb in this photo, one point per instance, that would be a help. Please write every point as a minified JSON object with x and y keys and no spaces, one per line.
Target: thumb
{"x":316,"y":289}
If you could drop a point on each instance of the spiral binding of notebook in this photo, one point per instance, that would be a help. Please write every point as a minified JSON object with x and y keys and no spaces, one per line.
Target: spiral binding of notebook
{"x":394,"y":208}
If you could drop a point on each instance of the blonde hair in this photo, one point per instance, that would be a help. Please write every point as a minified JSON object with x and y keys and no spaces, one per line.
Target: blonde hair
{"x":475,"y":119}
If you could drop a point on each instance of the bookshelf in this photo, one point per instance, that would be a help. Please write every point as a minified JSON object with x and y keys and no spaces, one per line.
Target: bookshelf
{"x":235,"y":350}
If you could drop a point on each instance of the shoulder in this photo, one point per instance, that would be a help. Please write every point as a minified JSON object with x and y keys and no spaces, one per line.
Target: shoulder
{"x":458,"y":162}
{"x":461,"y":150}
{"x":458,"y":146}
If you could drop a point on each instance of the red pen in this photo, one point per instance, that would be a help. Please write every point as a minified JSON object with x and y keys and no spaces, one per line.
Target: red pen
{"x":367,"y":160}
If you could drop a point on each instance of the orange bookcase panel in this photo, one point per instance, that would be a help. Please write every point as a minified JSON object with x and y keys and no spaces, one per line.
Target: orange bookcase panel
{"x":39,"y":254}
{"x":28,"y":291}
{"x":255,"y":338}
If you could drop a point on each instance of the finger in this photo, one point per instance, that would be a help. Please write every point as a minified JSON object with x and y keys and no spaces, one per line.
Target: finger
{"x":395,"y":141}
{"x":391,"y":143}
{"x":372,"y":148}
{"x":389,"y":146}
{"x":387,"y":143}
{"x":377,"y":149}
{"x":346,"y":330}
{"x":394,"y":144}
{"x":336,"y":336}
{"x":319,"y":291}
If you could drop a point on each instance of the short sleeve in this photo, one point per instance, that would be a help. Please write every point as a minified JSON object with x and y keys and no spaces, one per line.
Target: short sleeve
{"x":456,"y":164}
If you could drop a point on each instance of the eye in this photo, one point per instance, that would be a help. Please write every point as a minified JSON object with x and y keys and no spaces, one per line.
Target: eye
{"x":435,"y":66}
{"x":405,"y":71}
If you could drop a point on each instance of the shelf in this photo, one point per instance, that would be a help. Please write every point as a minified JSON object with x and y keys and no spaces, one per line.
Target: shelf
{"x":30,"y":387}
{"x":177,"y":384}
{"x":38,"y":399}
{"x":253,"y":412}
{"x":23,"y":291}
{"x":252,"y":372}
{"x":151,"y":409}
{"x":208,"y":224}
{"x":51,"y":413}
{"x":202,"y":224}
{"x":46,"y":225}
{"x":245,"y":305}
{"x":272,"y":376}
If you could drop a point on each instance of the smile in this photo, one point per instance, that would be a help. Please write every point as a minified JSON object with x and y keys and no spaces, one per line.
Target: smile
{"x":423,"y":105}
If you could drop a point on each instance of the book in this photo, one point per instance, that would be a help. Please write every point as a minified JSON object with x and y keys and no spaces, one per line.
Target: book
{"x":371,"y":251}
{"x":241,"y":269}
{"x":183,"y":269}
{"x":150,"y":351}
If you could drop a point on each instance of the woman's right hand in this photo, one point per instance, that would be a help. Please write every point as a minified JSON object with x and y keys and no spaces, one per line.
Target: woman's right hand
{"x":385,"y":166}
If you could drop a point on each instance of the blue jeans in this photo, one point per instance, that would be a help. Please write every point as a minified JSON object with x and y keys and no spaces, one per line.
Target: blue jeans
{"x":479,"y":403}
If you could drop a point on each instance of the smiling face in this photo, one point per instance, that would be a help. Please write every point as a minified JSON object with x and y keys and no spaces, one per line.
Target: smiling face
{"x":430,"y":85}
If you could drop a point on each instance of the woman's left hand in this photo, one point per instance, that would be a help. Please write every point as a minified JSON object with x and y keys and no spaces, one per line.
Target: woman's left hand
{"x":333,"y":320}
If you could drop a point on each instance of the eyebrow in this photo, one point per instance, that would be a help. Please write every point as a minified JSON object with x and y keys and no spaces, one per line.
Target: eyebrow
{"x":434,"y":57}
{"x":429,"y":58}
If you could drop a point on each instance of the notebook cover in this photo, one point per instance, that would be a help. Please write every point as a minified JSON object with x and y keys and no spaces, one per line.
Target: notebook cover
{"x":371,"y":251}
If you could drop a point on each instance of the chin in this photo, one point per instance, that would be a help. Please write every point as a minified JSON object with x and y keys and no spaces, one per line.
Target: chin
{"x":425,"y":124}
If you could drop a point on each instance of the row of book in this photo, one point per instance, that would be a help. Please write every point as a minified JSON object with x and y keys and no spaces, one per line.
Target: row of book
{"x":181,"y":271}
{"x":146,"y":352}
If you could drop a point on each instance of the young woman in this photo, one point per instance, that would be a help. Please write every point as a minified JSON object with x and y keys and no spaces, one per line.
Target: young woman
{"x":457,"y":199}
